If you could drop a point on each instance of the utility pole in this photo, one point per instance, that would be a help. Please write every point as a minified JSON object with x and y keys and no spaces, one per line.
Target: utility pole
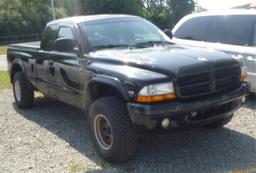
{"x":197,"y":6}
{"x":53,"y":10}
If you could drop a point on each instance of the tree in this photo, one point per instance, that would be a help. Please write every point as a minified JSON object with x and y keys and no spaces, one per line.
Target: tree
{"x":164,"y":13}
{"x":71,"y":7}
{"x":26,"y":16}
{"x":157,"y":11}
{"x":112,"y":6}
{"x":180,"y":8}
{"x":30,"y":16}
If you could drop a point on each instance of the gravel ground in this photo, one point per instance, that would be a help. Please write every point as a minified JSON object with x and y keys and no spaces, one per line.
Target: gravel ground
{"x":53,"y":137}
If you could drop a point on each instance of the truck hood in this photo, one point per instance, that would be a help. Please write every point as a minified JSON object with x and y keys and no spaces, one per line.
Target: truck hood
{"x":169,"y":60}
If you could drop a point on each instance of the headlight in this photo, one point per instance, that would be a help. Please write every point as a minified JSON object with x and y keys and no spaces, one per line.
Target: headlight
{"x":156,"y":93}
{"x":243,"y":77}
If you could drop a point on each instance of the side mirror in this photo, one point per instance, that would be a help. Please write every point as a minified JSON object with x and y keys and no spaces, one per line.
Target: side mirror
{"x":168,"y":32}
{"x":64,"y":45}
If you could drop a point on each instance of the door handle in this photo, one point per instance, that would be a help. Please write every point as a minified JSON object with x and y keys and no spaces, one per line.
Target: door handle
{"x":82,"y":62}
{"x":250,"y":58}
{"x":237,"y":57}
{"x":89,"y":62}
{"x":51,"y":67}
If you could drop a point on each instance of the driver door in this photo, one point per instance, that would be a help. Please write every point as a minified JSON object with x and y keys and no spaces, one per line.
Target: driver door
{"x":66,"y":74}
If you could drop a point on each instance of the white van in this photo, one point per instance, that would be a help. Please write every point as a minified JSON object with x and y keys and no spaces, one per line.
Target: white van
{"x":231,"y":31}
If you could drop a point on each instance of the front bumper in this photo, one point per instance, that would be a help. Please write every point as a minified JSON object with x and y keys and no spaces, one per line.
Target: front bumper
{"x":252,"y":82}
{"x":187,"y":113}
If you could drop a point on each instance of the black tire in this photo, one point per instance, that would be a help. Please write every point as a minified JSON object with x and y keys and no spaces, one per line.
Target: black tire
{"x":219,"y":123}
{"x":124,"y":140}
{"x":25,"y":98}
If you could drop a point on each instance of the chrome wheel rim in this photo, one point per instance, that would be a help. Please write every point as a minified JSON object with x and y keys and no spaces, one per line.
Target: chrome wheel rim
{"x":103,"y":132}
{"x":17,"y":90}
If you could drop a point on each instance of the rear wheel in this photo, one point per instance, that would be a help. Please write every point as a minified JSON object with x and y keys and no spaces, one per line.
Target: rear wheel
{"x":23,"y":92}
{"x":112,"y":131}
{"x":220,"y":123}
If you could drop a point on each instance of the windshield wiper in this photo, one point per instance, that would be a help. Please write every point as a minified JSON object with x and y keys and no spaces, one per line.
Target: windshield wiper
{"x":110,"y":46}
{"x":150,"y":43}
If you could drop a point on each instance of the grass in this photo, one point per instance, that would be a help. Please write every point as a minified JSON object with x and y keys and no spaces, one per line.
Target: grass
{"x":6,"y":84}
{"x":5,"y":80}
{"x":3,"y":50}
{"x":104,"y":164}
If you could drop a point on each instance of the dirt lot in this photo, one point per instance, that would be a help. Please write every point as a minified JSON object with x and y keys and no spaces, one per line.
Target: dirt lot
{"x":53,"y":137}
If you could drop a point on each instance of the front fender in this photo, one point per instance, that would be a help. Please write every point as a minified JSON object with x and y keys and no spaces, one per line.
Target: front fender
{"x":112,"y":81}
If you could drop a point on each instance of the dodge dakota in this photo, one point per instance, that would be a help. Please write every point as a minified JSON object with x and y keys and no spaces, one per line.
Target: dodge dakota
{"x":126,"y":75}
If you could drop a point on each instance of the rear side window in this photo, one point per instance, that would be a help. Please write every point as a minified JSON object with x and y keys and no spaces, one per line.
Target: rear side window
{"x":234,"y":30}
{"x":240,"y":31}
{"x":192,"y":29}
{"x":217,"y":30}
{"x":48,"y":37}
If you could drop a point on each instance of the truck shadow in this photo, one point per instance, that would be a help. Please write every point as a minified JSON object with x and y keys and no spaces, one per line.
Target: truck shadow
{"x":198,"y":150}
{"x":251,"y":102}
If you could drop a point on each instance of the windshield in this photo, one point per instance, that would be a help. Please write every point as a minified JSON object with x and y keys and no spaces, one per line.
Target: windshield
{"x":122,"y":32}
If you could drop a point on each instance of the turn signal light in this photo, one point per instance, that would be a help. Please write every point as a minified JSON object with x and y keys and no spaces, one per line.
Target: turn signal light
{"x":243,"y":78}
{"x":157,"y":98}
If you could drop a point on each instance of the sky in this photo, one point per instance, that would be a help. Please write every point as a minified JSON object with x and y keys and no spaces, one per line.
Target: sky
{"x":222,"y":4}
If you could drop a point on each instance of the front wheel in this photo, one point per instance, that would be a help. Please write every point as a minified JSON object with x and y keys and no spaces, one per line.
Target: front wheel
{"x":23,"y":92}
{"x":112,"y":131}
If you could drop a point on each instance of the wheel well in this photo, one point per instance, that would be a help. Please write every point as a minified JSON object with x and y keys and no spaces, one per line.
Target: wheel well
{"x":98,"y":90}
{"x":15,"y":68}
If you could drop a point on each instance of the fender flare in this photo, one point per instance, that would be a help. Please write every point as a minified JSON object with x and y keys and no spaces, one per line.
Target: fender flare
{"x":112,"y":81}
{"x":17,"y":62}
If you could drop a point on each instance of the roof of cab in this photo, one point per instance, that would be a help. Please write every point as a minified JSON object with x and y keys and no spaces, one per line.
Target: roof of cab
{"x":80,"y":19}
{"x":225,"y":12}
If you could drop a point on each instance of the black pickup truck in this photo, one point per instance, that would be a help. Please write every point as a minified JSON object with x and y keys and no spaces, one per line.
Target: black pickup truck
{"x":126,"y":75}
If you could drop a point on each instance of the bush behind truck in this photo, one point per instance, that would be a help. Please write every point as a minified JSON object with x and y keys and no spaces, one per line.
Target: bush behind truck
{"x":127,"y":75}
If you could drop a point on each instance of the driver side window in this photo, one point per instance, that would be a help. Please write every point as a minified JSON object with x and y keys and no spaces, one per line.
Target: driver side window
{"x":48,"y":37}
{"x":65,"y":32}
{"x":65,"y":41}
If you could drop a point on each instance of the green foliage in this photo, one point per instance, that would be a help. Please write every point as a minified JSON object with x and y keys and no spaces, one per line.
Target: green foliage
{"x":3,"y":50}
{"x":71,"y":7}
{"x":60,"y":12}
{"x":180,"y":8}
{"x":111,"y":6}
{"x":200,"y":9}
{"x":163,"y":13}
{"x":25,"y":16}
{"x":5,"y":80}
{"x":157,"y":12}
{"x":30,"y":16}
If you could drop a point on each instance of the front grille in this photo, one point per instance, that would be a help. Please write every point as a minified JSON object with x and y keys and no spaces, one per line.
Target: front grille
{"x":209,"y":82}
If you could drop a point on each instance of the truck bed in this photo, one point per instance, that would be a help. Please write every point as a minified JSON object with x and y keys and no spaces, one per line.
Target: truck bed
{"x":35,"y":45}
